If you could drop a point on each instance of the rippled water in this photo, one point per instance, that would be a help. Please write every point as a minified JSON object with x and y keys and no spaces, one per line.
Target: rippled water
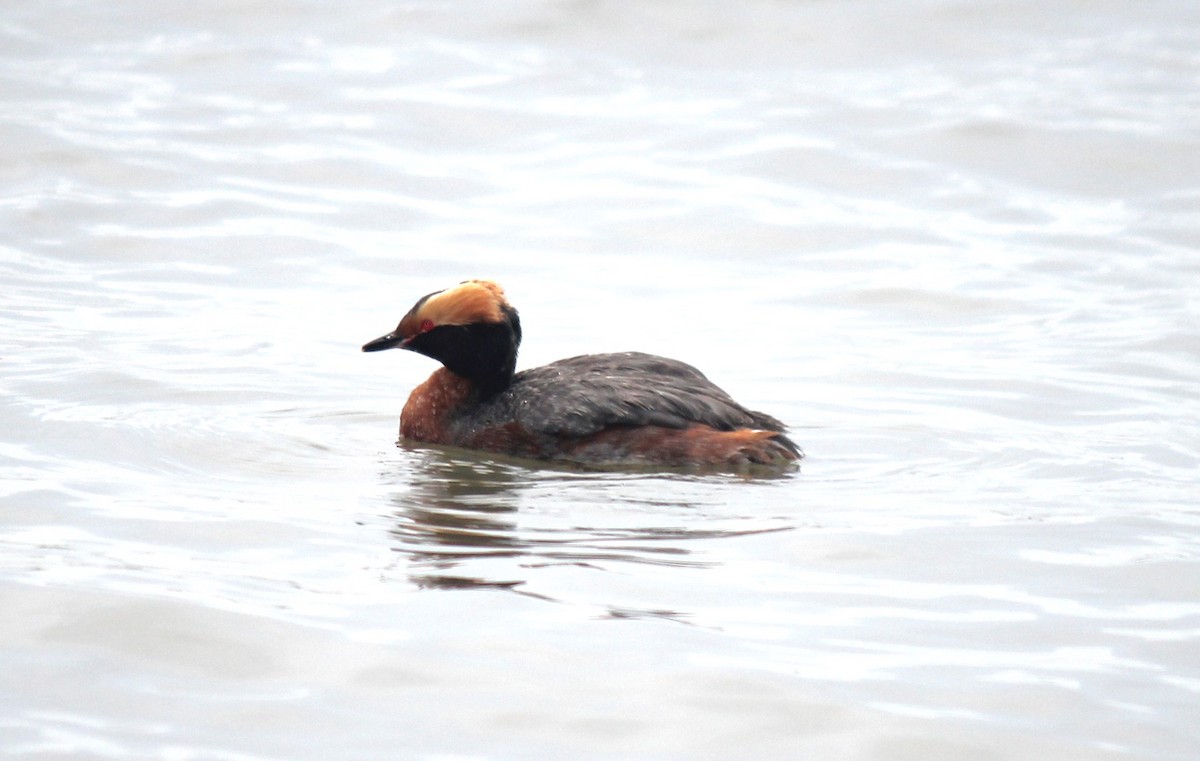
{"x":956,"y":246}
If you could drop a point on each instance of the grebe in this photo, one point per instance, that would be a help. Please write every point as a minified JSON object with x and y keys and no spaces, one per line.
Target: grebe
{"x":599,"y":409}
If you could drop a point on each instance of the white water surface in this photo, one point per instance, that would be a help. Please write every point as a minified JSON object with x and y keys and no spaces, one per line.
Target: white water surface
{"x":955,"y":245}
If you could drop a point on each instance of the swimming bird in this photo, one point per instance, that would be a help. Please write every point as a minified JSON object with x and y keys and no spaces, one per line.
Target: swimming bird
{"x":623,"y":409}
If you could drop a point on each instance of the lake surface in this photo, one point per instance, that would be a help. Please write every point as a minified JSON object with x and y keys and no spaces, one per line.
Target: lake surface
{"x":955,"y":246}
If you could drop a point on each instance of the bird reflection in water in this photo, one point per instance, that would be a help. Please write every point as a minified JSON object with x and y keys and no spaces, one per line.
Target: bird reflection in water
{"x":457,"y":510}
{"x":469,"y":523}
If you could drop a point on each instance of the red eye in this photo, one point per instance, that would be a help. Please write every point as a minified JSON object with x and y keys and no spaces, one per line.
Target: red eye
{"x":426,"y":326}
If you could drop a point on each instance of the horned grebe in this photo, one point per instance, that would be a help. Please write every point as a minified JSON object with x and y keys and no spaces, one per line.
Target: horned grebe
{"x":599,"y":409}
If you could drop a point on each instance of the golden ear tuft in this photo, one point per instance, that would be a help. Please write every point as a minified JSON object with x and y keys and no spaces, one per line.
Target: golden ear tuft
{"x":468,"y":302}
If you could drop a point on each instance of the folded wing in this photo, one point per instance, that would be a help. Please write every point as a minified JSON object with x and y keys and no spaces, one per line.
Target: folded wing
{"x":584,"y":395}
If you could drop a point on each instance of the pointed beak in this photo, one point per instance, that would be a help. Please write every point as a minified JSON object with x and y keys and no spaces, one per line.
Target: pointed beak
{"x":389,"y":341}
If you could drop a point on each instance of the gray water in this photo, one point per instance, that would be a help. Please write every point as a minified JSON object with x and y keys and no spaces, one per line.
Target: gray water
{"x":956,"y":246}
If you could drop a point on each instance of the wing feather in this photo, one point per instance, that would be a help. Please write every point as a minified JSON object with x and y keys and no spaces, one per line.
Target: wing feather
{"x":584,"y":395}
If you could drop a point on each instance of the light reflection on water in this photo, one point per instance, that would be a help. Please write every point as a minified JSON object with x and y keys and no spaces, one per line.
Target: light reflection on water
{"x":954,"y":248}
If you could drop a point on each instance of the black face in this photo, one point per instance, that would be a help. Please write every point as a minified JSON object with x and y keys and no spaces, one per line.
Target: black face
{"x":485,"y":353}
